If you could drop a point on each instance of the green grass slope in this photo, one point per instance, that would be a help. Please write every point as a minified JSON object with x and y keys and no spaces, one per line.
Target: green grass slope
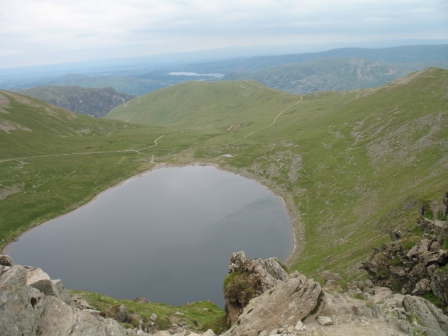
{"x":355,"y":164}
{"x":53,"y":160}
{"x":199,"y":106}
{"x":349,"y":165}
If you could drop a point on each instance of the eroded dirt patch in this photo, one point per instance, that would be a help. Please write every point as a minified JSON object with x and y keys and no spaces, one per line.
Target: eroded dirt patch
{"x":5,"y":192}
{"x":4,"y":103}
{"x":9,"y":126}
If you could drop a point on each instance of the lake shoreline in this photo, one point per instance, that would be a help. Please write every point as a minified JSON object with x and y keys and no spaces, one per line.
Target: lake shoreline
{"x":292,"y":213}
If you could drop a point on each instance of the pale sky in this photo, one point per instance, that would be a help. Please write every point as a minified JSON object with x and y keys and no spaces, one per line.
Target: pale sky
{"x":34,"y":32}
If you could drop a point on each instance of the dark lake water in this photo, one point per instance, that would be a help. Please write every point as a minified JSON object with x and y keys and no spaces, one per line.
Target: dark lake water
{"x":166,"y":235}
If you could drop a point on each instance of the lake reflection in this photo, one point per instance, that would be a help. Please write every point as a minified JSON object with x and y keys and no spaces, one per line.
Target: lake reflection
{"x":166,"y":235}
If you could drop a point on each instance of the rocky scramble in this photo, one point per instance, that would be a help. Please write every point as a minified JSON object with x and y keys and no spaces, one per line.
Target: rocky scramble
{"x":266,"y":299}
{"x":33,"y":304}
{"x":417,"y":266}
{"x":297,"y":305}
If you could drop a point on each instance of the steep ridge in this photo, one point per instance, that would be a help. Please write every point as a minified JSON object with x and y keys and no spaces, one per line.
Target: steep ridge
{"x":94,"y":102}
{"x":29,"y":126}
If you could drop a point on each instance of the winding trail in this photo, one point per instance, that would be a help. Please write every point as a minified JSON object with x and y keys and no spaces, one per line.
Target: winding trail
{"x":139,"y":151}
{"x":275,"y":120}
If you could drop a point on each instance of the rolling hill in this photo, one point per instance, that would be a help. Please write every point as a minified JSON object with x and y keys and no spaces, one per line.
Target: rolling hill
{"x":94,"y":102}
{"x":354,"y":164}
{"x":350,"y":165}
{"x":53,"y":160}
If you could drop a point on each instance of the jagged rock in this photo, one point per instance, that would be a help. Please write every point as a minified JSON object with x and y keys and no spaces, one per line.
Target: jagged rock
{"x":325,"y":321}
{"x":40,"y":280}
{"x":236,"y":261}
{"x":435,"y":246}
{"x":419,"y":248}
{"x":25,"y":310}
{"x":288,"y":302}
{"x":153,"y":317}
{"x":209,"y":332}
{"x":419,"y":308}
{"x":413,"y":271}
{"x":63,"y":293}
{"x":122,"y":313}
{"x":395,"y":235}
{"x":81,"y":303}
{"x":439,"y":285}
{"x":141,"y":300}
{"x":113,"y":328}
{"x":93,"y":312}
{"x":422,"y":287}
{"x":61,"y":319}
{"x":440,"y":230}
{"x":299,"y":326}
{"x":6,"y":260}
{"x":397,"y":270}
{"x":247,"y":279}
{"x":21,"y":306}
{"x":431,"y":269}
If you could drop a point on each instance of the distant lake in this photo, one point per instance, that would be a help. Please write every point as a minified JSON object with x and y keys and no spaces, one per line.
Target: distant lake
{"x":195,"y":74}
{"x":165,"y":235}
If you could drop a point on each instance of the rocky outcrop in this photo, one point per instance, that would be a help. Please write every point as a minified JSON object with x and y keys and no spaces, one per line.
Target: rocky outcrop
{"x":91,"y":101}
{"x":287,"y":303}
{"x":298,"y":305}
{"x":248,"y":279}
{"x":418,"y":269}
{"x":32,"y":304}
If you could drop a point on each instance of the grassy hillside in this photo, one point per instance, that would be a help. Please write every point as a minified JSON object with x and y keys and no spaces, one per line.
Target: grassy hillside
{"x":219,"y":106}
{"x":52,"y":160}
{"x":350,"y":165}
{"x":354,"y":163}
{"x":325,"y":74}
{"x":94,"y":102}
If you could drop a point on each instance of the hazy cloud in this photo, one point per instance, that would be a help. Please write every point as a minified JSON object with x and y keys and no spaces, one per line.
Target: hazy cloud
{"x":34,"y":28}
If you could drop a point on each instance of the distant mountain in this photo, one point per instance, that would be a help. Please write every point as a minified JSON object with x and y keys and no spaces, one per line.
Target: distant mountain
{"x":130,"y":85}
{"x":410,"y":58}
{"x":94,"y":102}
{"x":325,"y":74}
{"x":153,"y":76}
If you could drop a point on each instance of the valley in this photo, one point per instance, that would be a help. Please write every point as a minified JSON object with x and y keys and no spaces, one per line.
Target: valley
{"x":350,"y":165}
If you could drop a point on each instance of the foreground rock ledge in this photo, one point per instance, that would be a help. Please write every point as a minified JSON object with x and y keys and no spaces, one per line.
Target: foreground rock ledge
{"x":300,"y":306}
{"x":31,"y":304}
